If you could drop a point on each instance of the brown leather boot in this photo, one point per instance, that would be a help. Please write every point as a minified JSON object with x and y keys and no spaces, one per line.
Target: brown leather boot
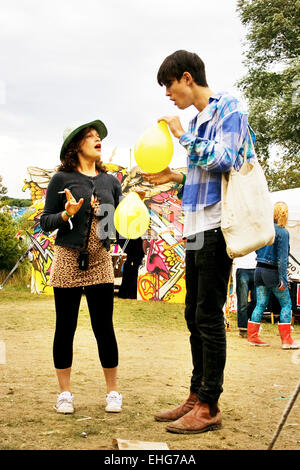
{"x":181,"y":410}
{"x":203,"y":417}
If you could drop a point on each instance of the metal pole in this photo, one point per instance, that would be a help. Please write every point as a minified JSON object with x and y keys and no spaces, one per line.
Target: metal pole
{"x":285,"y":415}
{"x":15,"y":266}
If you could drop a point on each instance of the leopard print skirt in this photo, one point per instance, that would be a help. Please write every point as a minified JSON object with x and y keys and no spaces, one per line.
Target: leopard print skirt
{"x":65,"y":271}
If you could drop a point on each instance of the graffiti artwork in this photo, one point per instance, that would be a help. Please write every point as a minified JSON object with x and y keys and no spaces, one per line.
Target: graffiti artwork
{"x":161,"y":275}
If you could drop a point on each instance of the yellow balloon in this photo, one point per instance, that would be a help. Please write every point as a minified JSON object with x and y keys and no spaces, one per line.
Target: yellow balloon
{"x":131,"y":217}
{"x":154,"y":149}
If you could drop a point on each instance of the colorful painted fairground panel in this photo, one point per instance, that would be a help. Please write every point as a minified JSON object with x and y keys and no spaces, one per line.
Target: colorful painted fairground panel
{"x":161,"y":274}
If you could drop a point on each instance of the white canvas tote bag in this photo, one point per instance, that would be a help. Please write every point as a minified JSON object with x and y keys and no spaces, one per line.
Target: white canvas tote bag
{"x":247,"y":220}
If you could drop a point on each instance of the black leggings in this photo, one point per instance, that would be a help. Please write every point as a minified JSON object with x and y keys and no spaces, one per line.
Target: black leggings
{"x":100,"y":300}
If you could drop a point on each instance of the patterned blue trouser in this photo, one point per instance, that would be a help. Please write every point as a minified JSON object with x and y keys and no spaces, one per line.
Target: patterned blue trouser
{"x":263,"y":294}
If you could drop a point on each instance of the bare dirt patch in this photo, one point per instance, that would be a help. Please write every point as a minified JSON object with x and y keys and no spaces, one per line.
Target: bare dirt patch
{"x":154,"y":373}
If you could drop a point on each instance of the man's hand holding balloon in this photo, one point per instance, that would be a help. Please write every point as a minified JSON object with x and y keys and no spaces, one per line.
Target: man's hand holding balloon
{"x":174,"y":124}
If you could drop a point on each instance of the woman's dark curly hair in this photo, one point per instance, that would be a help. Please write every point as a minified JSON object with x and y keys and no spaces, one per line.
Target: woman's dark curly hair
{"x":70,"y":159}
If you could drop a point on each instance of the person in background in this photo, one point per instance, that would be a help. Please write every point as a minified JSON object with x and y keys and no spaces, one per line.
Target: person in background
{"x":214,"y":143}
{"x":135,"y":255}
{"x":82,"y":263}
{"x":244,"y":276}
{"x":271,"y":277}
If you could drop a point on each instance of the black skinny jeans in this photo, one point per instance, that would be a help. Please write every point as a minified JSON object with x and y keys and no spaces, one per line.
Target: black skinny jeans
{"x":207,"y":275}
{"x":100,"y":303}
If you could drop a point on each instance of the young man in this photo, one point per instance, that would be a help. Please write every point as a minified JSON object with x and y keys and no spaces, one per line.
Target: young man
{"x":214,"y":142}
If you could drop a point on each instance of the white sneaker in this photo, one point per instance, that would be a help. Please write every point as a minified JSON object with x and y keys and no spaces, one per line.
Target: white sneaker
{"x":64,"y":403}
{"x":113,"y":402}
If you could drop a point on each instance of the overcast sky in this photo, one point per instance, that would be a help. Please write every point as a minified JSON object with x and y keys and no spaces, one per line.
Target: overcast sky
{"x":67,"y":62}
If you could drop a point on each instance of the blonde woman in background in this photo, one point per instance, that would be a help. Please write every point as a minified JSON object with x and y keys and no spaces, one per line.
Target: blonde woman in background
{"x":271,"y":277}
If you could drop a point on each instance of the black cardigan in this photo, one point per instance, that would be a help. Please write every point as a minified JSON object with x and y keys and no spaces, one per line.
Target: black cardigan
{"x":104,"y":186}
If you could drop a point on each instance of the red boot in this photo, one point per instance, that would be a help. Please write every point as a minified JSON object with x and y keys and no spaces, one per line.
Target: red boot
{"x":252,"y":332}
{"x":285,"y":335}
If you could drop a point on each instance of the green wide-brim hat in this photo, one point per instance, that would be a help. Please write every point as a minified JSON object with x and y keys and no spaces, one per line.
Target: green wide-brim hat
{"x":70,"y":133}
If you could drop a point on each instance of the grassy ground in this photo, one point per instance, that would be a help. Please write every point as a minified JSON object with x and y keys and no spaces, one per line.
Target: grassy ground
{"x":154,"y":373}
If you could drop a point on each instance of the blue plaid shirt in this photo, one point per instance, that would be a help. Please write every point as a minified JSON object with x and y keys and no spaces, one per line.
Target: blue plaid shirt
{"x":218,"y":145}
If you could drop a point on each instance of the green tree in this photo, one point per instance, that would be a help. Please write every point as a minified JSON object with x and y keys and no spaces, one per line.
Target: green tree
{"x":10,"y":251}
{"x":12,"y":201}
{"x":272,"y":85}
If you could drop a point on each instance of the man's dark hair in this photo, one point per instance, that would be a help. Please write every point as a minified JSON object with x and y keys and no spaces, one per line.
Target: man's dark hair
{"x":174,"y":66}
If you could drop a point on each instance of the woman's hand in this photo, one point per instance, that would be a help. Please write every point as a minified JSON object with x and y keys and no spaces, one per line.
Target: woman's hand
{"x":281,"y":287}
{"x":71,"y":206}
{"x":163,"y":177}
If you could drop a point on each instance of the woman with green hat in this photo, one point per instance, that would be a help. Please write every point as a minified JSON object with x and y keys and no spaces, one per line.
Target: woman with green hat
{"x":80,"y":202}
